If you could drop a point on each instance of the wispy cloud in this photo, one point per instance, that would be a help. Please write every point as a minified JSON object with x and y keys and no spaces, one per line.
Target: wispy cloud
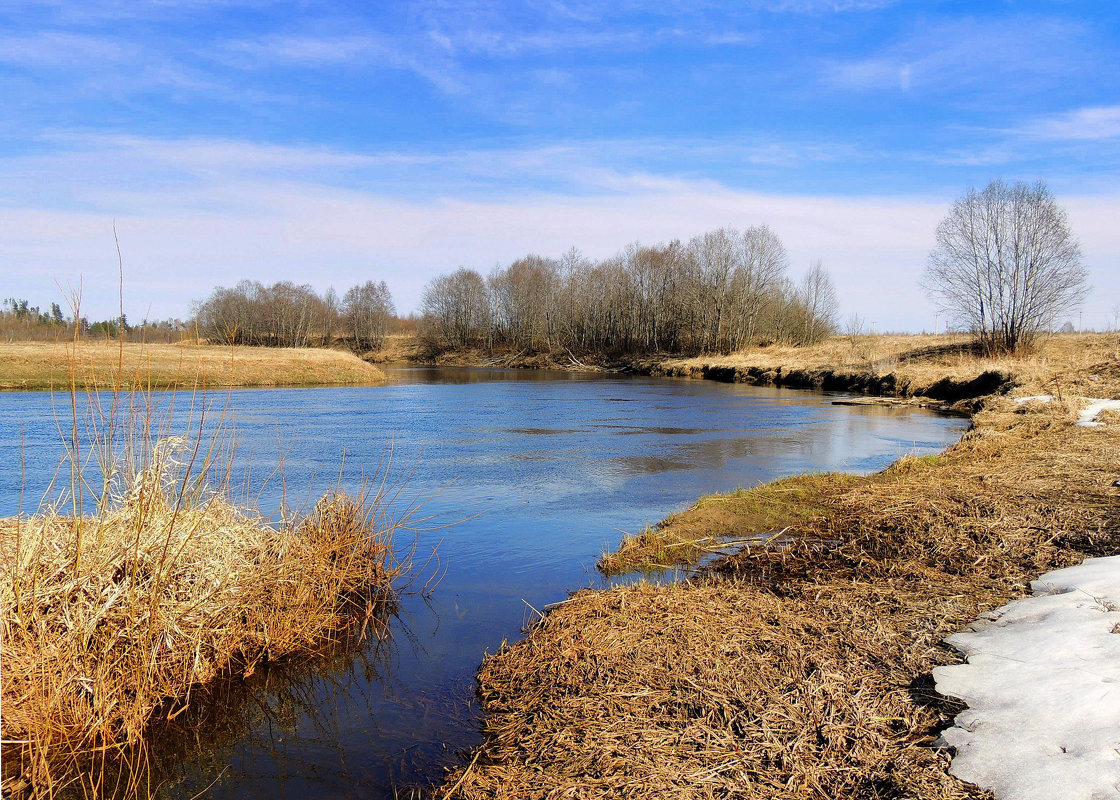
{"x":64,"y":50}
{"x":1083,"y":124}
{"x":575,"y":167}
{"x":357,"y":52}
{"x":991,"y":56}
{"x":825,"y":6}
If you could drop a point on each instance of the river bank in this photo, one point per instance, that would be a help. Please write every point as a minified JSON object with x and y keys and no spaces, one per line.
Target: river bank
{"x":931,"y":369}
{"x":108,"y":364}
{"x":805,"y":670}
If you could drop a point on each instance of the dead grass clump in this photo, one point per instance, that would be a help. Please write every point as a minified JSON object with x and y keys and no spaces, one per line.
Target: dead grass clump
{"x":110,"y":621}
{"x":1109,"y":416}
{"x":801,"y":671}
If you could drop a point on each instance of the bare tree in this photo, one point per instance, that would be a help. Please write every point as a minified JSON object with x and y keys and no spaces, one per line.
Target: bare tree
{"x":456,"y":309}
{"x":368,"y":308}
{"x":1006,"y":264}
{"x":286,"y":315}
{"x":818,"y":296}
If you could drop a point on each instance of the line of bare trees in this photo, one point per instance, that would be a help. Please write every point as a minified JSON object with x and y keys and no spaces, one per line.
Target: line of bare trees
{"x":287,"y":315}
{"x":719,"y":292}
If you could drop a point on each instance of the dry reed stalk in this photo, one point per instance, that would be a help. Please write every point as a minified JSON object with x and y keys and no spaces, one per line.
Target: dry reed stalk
{"x":103,"y":631}
{"x":804,"y":672}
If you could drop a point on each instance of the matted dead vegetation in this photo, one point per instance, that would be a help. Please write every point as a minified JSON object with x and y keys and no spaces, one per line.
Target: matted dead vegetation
{"x":112,"y":620}
{"x":804,"y":671}
{"x":113,"y":364}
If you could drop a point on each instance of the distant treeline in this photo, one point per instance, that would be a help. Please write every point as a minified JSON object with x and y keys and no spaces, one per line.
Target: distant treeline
{"x":287,"y":315}
{"x":722,"y":291}
{"x":21,"y":321}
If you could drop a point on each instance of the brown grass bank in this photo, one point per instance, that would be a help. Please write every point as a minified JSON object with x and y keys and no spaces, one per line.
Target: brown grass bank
{"x":803,"y":671}
{"x":108,"y":364}
{"x":923,"y":366}
{"x":110,"y":621}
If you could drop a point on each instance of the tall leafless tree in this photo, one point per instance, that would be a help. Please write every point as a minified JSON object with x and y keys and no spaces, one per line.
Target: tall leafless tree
{"x":1006,"y":264}
{"x":368,"y":308}
{"x":456,"y":310}
{"x":818,"y":296}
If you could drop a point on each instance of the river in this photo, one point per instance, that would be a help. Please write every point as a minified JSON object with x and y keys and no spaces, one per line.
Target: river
{"x":541,"y":471}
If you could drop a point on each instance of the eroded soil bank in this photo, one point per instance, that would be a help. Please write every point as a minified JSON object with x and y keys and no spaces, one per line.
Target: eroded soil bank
{"x":805,"y":670}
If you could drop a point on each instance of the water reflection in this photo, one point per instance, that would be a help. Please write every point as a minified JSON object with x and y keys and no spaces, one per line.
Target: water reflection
{"x":550,"y":468}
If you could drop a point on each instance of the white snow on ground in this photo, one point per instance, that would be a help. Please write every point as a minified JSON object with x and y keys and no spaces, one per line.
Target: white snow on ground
{"x":1042,"y":684}
{"x":1088,"y":417}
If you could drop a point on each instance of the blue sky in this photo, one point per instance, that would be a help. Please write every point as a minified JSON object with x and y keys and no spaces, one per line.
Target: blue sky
{"x":330,"y":143}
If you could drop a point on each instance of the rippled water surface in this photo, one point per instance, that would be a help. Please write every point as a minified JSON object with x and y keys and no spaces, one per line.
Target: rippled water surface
{"x":550,"y":468}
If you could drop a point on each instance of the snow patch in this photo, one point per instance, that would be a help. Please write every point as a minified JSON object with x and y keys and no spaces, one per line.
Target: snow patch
{"x":1088,"y":416}
{"x":1042,"y":682}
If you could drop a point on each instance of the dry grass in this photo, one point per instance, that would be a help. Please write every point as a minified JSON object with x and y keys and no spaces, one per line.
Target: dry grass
{"x":108,"y":364}
{"x":111,"y":621}
{"x":397,"y":348}
{"x":1060,"y":363}
{"x":804,"y":671}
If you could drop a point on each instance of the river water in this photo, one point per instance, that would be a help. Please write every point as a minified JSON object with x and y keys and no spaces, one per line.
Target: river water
{"x":542,"y":471}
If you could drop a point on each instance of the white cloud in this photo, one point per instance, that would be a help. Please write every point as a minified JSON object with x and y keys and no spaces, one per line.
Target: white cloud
{"x":826,"y":6}
{"x":985,"y":56}
{"x":1083,"y":124}
{"x":357,"y":51}
{"x":64,"y":50}
{"x":192,"y":215}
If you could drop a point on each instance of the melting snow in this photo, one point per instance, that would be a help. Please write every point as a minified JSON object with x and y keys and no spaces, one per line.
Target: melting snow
{"x":1043,"y":687}
{"x":1088,"y":416}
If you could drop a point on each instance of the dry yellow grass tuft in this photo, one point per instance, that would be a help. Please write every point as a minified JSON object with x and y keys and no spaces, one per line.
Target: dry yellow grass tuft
{"x":109,"y":364}
{"x":109,"y":621}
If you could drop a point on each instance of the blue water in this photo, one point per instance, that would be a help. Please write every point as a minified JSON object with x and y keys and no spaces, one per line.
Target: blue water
{"x":541,"y":471}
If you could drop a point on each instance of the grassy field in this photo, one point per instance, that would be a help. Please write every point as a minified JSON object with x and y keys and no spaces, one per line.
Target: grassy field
{"x":799,"y":666}
{"x":47,"y":365}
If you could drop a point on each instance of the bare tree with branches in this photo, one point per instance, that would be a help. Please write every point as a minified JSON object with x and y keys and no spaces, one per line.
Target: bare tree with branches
{"x":1006,"y":264}
{"x":368,"y":308}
